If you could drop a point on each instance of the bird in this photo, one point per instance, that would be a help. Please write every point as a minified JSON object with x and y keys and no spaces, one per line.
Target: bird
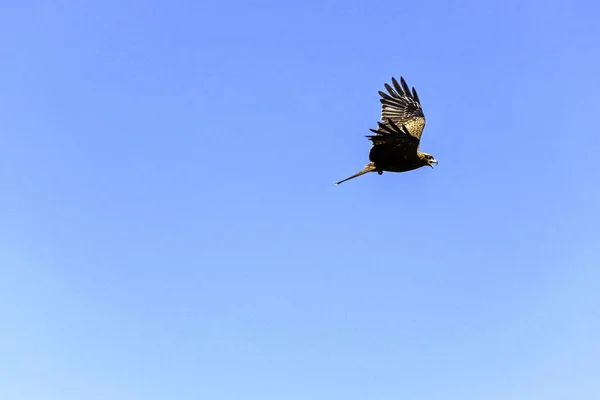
{"x":396,"y":141}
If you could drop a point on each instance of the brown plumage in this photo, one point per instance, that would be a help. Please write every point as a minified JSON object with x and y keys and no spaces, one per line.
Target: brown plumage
{"x":395,"y":145}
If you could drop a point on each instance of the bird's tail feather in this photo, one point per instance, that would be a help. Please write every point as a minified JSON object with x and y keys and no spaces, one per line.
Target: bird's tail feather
{"x":370,"y":167}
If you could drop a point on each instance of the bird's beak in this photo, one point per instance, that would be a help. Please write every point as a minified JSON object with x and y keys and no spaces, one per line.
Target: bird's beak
{"x":432,"y":162}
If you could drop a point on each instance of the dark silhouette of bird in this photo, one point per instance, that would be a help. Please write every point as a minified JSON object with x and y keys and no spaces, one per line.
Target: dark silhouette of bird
{"x":395,"y":145}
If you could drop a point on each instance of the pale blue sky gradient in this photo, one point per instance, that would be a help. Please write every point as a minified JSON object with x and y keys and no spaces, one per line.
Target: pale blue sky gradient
{"x":169,"y":227}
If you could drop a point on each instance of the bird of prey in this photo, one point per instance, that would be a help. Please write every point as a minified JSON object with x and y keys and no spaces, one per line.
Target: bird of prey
{"x":395,"y":145}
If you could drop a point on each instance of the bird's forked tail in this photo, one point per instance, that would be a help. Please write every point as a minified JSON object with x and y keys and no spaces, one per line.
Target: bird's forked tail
{"x":370,"y":167}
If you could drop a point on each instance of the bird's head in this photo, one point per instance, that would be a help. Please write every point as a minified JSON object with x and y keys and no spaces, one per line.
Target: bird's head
{"x":428,"y":159}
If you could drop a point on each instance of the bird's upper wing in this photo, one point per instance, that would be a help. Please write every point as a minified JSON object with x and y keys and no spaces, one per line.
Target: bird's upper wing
{"x":402,"y":106}
{"x":389,"y":135}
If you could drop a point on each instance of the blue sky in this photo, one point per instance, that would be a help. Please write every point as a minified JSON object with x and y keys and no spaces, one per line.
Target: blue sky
{"x":170,"y":227}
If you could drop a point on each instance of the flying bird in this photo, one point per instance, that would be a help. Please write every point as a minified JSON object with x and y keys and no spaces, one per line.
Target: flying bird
{"x":395,"y":145}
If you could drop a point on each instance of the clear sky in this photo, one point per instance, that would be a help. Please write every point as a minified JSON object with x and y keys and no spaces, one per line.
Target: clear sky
{"x":170,"y":227}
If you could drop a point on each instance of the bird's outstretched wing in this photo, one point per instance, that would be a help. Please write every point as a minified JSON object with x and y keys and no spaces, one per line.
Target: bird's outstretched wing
{"x":389,"y":135}
{"x":402,"y":106}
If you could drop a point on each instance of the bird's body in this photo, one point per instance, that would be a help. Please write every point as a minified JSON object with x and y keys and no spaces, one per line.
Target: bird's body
{"x":395,"y":145}
{"x":394,"y":159}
